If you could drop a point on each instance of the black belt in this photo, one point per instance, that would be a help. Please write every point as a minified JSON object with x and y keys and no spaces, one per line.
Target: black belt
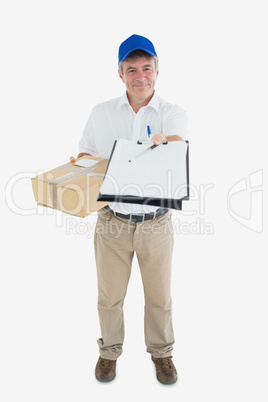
{"x":139,"y":218}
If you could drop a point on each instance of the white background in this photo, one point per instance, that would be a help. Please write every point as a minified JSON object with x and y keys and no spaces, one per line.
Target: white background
{"x":58,"y":59}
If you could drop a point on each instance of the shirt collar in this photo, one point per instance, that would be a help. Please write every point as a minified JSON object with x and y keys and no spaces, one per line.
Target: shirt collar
{"x":154,"y":102}
{"x":123,"y":100}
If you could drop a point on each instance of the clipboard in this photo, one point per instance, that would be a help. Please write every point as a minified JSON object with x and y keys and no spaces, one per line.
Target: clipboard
{"x":159,"y":177}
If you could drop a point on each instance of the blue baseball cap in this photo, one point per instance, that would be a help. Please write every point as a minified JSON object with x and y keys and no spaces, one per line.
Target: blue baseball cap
{"x":135,"y":42}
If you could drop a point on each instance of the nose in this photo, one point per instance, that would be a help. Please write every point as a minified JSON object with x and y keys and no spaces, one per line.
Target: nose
{"x":140,"y":75}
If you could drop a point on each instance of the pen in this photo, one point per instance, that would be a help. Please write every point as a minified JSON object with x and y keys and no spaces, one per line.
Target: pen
{"x":147,"y":149}
{"x":149,"y":131}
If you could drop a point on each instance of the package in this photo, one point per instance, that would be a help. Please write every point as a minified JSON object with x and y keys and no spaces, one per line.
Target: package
{"x":72,"y":188}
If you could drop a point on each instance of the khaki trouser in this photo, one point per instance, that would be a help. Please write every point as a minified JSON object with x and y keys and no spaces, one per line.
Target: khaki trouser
{"x":116,"y":240}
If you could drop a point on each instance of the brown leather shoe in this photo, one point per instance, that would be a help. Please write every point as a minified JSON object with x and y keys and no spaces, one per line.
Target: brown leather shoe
{"x":166,"y":372}
{"x":105,"y":370}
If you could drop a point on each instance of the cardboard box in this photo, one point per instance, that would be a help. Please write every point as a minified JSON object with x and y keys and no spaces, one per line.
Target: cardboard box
{"x":70,"y":188}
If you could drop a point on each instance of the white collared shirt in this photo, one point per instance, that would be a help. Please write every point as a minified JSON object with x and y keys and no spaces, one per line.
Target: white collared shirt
{"x":115,"y":119}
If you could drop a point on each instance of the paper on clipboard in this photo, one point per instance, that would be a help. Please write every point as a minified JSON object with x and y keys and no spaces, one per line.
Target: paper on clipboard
{"x":160,"y":173}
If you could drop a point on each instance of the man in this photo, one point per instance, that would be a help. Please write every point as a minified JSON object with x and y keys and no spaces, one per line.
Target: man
{"x":123,"y":229}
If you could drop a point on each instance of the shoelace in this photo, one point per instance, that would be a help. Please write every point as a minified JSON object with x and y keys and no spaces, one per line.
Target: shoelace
{"x":166,"y":363}
{"x":105,"y":363}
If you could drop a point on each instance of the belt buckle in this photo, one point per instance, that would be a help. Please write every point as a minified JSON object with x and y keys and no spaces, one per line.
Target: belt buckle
{"x":142,"y":216}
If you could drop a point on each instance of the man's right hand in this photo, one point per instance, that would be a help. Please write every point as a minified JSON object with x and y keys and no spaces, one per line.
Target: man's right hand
{"x":72,"y":159}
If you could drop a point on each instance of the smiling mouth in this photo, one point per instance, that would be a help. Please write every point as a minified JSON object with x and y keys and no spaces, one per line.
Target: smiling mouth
{"x":140,"y":85}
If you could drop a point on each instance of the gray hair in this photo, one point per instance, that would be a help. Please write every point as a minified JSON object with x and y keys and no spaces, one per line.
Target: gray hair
{"x":120,"y":65}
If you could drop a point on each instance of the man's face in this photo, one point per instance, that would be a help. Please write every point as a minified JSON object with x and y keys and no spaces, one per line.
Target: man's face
{"x":139,"y":76}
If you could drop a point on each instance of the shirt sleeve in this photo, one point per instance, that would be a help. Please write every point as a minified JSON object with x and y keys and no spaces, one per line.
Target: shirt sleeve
{"x":175,"y":122}
{"x":87,"y":143}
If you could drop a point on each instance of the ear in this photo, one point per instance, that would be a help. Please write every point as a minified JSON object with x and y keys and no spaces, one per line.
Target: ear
{"x":157,"y":71}
{"x":120,"y":75}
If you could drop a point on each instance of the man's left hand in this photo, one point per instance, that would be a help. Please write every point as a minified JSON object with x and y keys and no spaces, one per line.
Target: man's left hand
{"x":158,"y":139}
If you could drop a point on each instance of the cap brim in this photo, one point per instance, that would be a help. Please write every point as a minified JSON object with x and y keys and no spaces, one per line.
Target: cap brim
{"x":137,"y":48}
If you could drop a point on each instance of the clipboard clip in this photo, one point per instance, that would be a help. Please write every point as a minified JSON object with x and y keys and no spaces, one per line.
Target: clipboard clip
{"x":148,"y":149}
{"x":149,"y":142}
